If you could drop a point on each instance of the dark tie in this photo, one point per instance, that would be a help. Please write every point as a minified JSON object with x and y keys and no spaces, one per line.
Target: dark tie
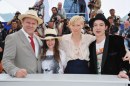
{"x":32,"y":43}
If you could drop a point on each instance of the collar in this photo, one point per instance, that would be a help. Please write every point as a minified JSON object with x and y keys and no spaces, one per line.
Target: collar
{"x":25,"y":33}
{"x":70,"y":35}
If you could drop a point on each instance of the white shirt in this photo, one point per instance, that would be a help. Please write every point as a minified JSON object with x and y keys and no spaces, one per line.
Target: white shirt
{"x":99,"y":52}
{"x":62,"y":12}
{"x":73,"y":52}
{"x":62,"y":63}
{"x":35,"y":42}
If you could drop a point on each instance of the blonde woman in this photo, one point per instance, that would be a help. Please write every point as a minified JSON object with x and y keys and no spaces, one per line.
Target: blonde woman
{"x":76,"y":46}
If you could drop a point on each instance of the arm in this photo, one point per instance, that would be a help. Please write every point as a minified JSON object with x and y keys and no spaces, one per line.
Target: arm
{"x":9,"y":57}
{"x":63,"y":62}
{"x":124,"y":66}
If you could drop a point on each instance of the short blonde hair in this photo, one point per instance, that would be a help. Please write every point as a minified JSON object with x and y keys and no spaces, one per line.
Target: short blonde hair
{"x":75,"y":19}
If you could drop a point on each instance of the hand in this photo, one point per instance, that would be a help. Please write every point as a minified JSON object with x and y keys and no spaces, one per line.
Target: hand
{"x":127,"y":57}
{"x":21,"y":73}
{"x":123,"y":75}
{"x":58,"y":18}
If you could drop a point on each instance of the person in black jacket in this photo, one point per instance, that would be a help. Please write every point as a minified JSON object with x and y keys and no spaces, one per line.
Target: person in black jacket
{"x":107,"y":52}
{"x":3,"y":34}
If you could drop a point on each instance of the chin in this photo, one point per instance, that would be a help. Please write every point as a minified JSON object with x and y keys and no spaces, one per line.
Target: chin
{"x":51,"y":47}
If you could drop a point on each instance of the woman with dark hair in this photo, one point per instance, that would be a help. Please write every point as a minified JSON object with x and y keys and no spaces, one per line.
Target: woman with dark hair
{"x":107,"y":52}
{"x":53,"y":59}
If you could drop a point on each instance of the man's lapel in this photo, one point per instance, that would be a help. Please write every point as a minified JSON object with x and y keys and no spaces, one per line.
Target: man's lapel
{"x":105,"y":52}
{"x":25,"y":41}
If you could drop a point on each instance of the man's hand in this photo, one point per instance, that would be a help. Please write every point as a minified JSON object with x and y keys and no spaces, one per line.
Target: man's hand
{"x":21,"y":73}
{"x":122,"y":74}
{"x":127,"y":57}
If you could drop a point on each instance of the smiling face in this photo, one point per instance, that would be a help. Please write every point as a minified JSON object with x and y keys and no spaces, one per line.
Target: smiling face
{"x":50,"y":43}
{"x":99,"y":28}
{"x":29,"y":25}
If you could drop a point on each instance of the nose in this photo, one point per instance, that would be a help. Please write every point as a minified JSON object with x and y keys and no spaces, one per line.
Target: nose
{"x":31,"y":25}
{"x":97,"y":27}
{"x":75,"y":27}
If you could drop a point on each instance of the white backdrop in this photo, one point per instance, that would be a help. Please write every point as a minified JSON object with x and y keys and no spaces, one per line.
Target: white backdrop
{"x":121,"y":6}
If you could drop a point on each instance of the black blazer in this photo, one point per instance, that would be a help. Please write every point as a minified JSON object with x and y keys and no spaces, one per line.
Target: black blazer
{"x":112,"y":62}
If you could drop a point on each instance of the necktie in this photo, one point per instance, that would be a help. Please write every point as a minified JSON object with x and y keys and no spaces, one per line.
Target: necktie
{"x":32,"y":43}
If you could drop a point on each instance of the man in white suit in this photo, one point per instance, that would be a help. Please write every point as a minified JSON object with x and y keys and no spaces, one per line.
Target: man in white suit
{"x":21,"y":53}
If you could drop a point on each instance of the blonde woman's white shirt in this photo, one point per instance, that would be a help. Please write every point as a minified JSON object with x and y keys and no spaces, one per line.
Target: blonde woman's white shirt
{"x":73,"y":52}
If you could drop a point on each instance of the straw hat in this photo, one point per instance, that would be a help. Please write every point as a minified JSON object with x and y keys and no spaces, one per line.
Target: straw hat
{"x":50,"y":34}
{"x":31,"y":14}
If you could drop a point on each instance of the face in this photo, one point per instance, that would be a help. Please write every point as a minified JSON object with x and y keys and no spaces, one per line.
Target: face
{"x":54,"y":11}
{"x":126,"y":24}
{"x":99,"y":28}
{"x":14,"y":25}
{"x":112,"y":12}
{"x":110,"y":21}
{"x":50,"y":43}
{"x":76,"y":27}
{"x":59,"y":5}
{"x":29,"y":25}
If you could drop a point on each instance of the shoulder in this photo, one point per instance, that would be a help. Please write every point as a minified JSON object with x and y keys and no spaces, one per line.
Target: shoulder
{"x":61,"y":52}
{"x":88,"y":37}
{"x":116,"y":39}
{"x":63,"y":9}
{"x":12,"y":35}
{"x":66,"y":37}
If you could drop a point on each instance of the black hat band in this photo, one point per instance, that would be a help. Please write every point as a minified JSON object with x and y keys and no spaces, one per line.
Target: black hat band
{"x":50,"y":35}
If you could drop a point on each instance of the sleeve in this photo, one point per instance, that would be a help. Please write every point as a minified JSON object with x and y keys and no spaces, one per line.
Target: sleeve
{"x":61,"y":43}
{"x":91,"y":38}
{"x":63,"y":62}
{"x":9,"y":55}
{"x":124,"y":65}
